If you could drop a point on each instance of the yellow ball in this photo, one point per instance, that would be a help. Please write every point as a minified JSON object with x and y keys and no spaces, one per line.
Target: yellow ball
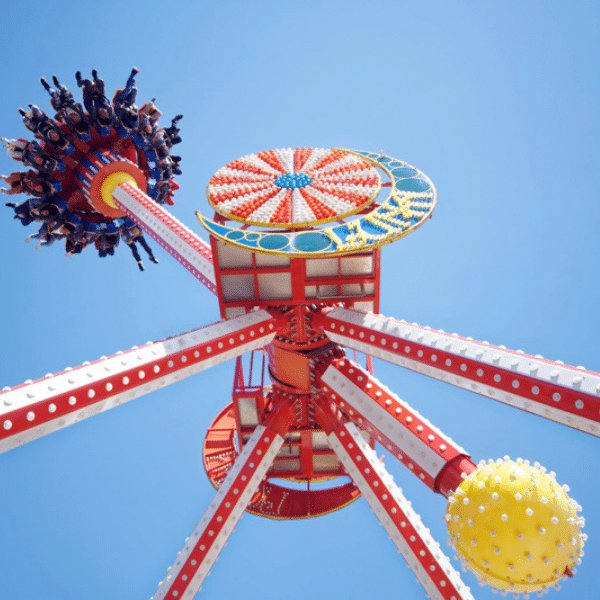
{"x":514,"y":526}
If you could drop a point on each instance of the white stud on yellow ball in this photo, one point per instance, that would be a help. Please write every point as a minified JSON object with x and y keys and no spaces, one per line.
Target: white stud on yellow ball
{"x":515,"y":527}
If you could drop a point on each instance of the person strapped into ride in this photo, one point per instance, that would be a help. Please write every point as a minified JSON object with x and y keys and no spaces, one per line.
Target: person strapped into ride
{"x":43,"y":235}
{"x":158,"y":141}
{"x":52,"y":213}
{"x":46,"y":129}
{"x":80,"y":237}
{"x":68,"y":111}
{"x":125,"y":110}
{"x":149,"y":114}
{"x":162,"y":191}
{"x":166,"y":168}
{"x":96,"y":103}
{"x":49,"y":208}
{"x":31,"y":154}
{"x":132,"y":234}
{"x":24,"y":211}
{"x":107,"y":239}
{"x":31,"y":183}
{"x":172,"y":132}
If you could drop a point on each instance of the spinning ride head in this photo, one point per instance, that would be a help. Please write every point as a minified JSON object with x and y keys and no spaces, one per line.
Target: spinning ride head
{"x":100,"y":172}
{"x":515,"y":527}
{"x":81,"y":154}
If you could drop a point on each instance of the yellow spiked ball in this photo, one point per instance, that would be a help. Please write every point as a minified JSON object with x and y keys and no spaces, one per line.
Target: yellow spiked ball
{"x":514,"y":526}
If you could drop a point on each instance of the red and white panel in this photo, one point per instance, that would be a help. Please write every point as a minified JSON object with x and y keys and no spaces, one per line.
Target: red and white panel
{"x":293,"y":186}
{"x":36,"y":408}
{"x":179,"y":241}
{"x":562,"y":393}
{"x":413,"y":440}
{"x":404,"y":526}
{"x":202,"y":548}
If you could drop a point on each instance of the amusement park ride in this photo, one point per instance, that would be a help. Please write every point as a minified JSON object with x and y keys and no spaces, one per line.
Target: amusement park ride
{"x":294,"y":262}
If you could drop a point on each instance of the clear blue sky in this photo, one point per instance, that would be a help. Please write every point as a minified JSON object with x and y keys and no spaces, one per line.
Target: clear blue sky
{"x":496,"y":102}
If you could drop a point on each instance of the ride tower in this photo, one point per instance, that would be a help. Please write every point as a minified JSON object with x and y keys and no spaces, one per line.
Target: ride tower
{"x":294,"y":261}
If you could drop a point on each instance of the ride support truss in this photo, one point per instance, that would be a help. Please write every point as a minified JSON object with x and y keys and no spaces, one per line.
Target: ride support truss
{"x":323,"y":413}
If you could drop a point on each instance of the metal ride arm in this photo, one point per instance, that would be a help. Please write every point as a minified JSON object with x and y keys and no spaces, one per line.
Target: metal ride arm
{"x":404,"y":526}
{"x":429,"y":454}
{"x":562,"y":393}
{"x":34,"y":409}
{"x":179,"y":241}
{"x":210,"y":535}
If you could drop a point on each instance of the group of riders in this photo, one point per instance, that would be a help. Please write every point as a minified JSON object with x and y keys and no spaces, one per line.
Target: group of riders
{"x":56,"y":139}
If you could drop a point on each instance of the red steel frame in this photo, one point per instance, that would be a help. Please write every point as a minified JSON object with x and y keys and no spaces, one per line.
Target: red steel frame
{"x":194,"y":562}
{"x":343,"y":397}
{"x":562,"y":393}
{"x":34,"y":409}
{"x":404,"y":526}
{"x":425,"y":450}
{"x":300,"y":279}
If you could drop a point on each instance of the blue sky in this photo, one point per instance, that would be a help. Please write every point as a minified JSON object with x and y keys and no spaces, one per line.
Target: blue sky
{"x":496,"y":102}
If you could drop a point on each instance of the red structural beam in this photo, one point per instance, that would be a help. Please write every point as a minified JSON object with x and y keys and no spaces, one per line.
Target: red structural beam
{"x":551,"y":389}
{"x":179,"y":241}
{"x":36,"y":408}
{"x":210,"y":535}
{"x":404,"y":526}
{"x":412,"y":439}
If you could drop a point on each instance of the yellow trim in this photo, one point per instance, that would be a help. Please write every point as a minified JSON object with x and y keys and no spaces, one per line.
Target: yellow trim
{"x":111,"y":182}
{"x":360,"y":238}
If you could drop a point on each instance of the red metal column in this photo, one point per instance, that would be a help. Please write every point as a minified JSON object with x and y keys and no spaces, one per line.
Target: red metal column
{"x":36,"y":408}
{"x":404,"y":526}
{"x":200,"y":552}
{"x":427,"y":452}
{"x":562,"y":393}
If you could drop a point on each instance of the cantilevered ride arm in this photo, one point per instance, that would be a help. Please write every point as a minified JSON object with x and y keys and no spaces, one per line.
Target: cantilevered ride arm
{"x":210,"y":535}
{"x":562,"y":393}
{"x":404,"y":526}
{"x":430,"y":454}
{"x":34,"y":409}
{"x":179,"y":241}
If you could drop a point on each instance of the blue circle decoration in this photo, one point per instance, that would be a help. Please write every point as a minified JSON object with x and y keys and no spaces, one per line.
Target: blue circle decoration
{"x":235,"y":234}
{"x":273,"y":242}
{"x":292,"y":181}
{"x":411,"y":200}
{"x":412,"y":185}
{"x":311,"y":241}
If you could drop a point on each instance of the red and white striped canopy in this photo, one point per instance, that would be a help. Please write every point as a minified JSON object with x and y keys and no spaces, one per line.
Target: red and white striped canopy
{"x":293,"y":187}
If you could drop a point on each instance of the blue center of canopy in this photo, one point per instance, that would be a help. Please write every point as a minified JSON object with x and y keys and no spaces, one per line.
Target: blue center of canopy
{"x":292,"y":181}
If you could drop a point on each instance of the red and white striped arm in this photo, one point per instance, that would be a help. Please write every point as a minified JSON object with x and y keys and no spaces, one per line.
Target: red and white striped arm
{"x":210,"y":535}
{"x":551,"y":389}
{"x":430,"y":454}
{"x":36,"y":408}
{"x":404,"y":526}
{"x":179,"y":241}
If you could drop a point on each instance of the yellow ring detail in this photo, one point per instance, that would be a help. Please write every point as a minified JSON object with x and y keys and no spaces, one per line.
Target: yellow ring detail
{"x":111,"y":182}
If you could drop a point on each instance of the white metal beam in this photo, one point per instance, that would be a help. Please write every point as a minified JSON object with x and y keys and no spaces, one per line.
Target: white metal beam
{"x":37,"y":408}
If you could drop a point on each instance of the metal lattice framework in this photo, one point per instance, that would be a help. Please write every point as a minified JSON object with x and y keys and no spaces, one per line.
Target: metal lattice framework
{"x":297,"y":300}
